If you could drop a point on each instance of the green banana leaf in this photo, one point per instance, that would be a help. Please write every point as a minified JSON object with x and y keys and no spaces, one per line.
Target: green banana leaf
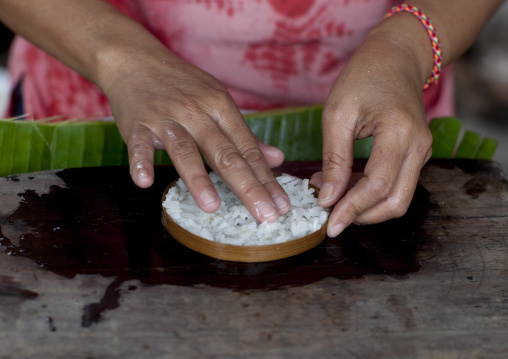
{"x":29,"y":146}
{"x":297,"y":132}
{"x":445,"y":133}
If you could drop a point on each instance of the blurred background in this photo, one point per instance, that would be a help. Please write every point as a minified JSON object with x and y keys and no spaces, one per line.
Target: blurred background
{"x":5,"y":40}
{"x":481,"y":78}
{"x":481,"y":82}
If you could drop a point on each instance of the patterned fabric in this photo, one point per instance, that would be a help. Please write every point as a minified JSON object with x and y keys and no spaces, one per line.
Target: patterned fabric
{"x":269,"y":53}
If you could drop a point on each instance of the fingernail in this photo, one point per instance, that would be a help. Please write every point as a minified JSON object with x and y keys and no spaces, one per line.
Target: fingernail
{"x":281,"y":203}
{"x":267,"y":211}
{"x":142,"y":179}
{"x":336,"y":230}
{"x":208,"y":198}
{"x":326,"y":193}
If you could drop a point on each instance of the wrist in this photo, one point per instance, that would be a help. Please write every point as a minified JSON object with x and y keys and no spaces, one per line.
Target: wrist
{"x":408,"y":41}
{"x":431,"y":31}
{"x":124,"y":53}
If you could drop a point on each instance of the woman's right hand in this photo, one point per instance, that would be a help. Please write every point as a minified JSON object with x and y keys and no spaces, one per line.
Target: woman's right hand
{"x":160,"y":101}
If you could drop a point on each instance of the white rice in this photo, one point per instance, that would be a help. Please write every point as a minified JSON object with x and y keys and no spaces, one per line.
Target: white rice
{"x":233,"y":224}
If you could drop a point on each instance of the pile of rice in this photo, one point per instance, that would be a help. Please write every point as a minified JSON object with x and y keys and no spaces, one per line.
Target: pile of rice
{"x":233,"y":224}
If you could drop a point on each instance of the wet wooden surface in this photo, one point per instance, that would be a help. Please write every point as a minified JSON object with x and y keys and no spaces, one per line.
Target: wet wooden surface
{"x":88,"y":271}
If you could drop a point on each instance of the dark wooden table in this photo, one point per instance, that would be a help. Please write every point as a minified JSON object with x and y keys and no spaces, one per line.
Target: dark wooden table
{"x":88,"y":271}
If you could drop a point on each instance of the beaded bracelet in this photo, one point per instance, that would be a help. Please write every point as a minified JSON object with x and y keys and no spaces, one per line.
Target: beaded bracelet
{"x":436,"y":47}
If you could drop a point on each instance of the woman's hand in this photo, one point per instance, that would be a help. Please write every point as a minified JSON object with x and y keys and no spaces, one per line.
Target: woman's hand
{"x":379,"y":94}
{"x":162,"y":102}
{"x":158,"y":100}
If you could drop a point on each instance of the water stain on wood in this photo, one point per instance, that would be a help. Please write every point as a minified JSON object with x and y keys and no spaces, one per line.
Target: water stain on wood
{"x":102,"y":224}
{"x":475,"y":187}
{"x":8,"y":288}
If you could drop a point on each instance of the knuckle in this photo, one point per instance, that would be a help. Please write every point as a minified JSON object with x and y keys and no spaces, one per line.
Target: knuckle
{"x":396,"y":207}
{"x":227,"y":157}
{"x":410,"y":128}
{"x":334,"y":160}
{"x":139,"y":135}
{"x":224,"y":111}
{"x":189,"y":108}
{"x":404,"y":131}
{"x":221,"y":98}
{"x":217,"y":101}
{"x":137,"y":147}
{"x":356,"y":209}
{"x":330,"y":111}
{"x":380,"y":186}
{"x":136,"y":132}
{"x":182,"y":147}
{"x":252,"y":155}
{"x":192,"y":111}
{"x":249,"y":189}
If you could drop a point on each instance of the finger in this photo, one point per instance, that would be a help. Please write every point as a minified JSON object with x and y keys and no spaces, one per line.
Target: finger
{"x":245,"y":141}
{"x":338,"y":140}
{"x":188,"y":162}
{"x":231,"y":165}
{"x":141,"y":150}
{"x":399,"y":199}
{"x":380,"y":175}
{"x":396,"y":203}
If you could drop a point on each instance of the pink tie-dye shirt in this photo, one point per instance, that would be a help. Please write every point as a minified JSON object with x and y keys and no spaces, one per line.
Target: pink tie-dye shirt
{"x":269,"y":53}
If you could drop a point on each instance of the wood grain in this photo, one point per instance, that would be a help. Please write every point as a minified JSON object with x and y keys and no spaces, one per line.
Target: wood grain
{"x":444,"y":295}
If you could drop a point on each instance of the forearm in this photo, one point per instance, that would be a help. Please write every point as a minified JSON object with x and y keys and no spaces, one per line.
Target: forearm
{"x":458,"y":22}
{"x":91,"y":36}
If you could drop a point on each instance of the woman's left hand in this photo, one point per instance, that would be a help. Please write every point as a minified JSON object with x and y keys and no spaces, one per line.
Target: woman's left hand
{"x":379,"y":93}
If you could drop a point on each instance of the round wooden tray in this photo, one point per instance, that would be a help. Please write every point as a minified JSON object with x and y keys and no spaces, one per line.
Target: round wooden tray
{"x":230,"y":252}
